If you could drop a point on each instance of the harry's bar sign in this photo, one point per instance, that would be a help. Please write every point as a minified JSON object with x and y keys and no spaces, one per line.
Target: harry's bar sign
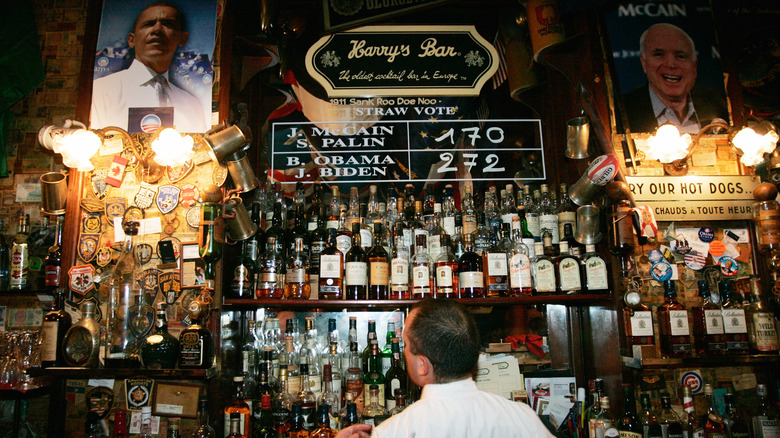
{"x":396,"y":151}
{"x":403,"y":61}
{"x":691,"y":198}
{"x":349,"y":13}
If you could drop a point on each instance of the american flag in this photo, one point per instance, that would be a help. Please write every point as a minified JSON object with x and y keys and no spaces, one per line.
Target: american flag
{"x":501,"y":75}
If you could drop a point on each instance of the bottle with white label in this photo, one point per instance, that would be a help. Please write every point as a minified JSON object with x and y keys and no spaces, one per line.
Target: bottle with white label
{"x":762,"y":330}
{"x":734,"y":321}
{"x":543,"y":271}
{"x":496,"y":268}
{"x":520,"y":281}
{"x":637,"y":318}
{"x":568,"y":271}
{"x":596,"y":272}
{"x":673,"y":324}
{"x":548,"y":216}
{"x":355,"y":269}
{"x":765,"y":420}
{"x":422,"y":283}
{"x":471,"y":279}
{"x":707,"y":324}
{"x":399,"y":271}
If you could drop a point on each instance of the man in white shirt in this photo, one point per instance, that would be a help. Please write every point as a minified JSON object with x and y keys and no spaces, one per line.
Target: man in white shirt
{"x":442,"y":349}
{"x":157,"y":32}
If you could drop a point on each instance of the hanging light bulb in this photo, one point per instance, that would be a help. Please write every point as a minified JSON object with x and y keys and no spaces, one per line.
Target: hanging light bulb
{"x":754,"y":145}
{"x":667,"y":145}
{"x":171,"y":148}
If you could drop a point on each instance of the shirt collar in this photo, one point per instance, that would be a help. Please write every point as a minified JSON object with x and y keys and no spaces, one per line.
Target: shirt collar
{"x":664,"y":114}
{"x":449,"y":389}
{"x":142,"y":73}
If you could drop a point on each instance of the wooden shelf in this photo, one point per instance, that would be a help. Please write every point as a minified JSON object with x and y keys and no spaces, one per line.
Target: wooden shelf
{"x":585,"y":299}
{"x":712,"y":361}
{"x":119,"y":373}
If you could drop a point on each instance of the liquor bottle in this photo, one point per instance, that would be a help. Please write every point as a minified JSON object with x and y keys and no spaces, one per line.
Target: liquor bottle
{"x":469,"y":211}
{"x":575,"y":248}
{"x":324,"y":428}
{"x":623,"y":237}
{"x":712,"y":421}
{"x":673,"y":325}
{"x":692,"y":428}
{"x":256,"y":242}
{"x":353,"y":390}
{"x":53,"y":261}
{"x":55,"y":324}
{"x":671,"y":424}
{"x":596,"y":387}
{"x":278,"y":232}
{"x":650,"y":425}
{"x":525,"y":234}
{"x":146,"y":422}
{"x":543,"y":271}
{"x":395,"y":377}
{"x":196,"y":347}
{"x":386,"y":353}
{"x":628,"y":425}
{"x":481,"y":235}
{"x":238,"y":406}
{"x":399,"y":271}
{"x":568,"y":271}
{"x":491,"y":208}
{"x":637,"y":319}
{"x":471,"y":280}
{"x":422,"y":283}
{"x":296,"y":284}
{"x":765,"y":420}
{"x":264,"y":424}
{"x":263,"y":386}
{"x":548,"y":217}
{"x":429,"y":202}
{"x":297,"y":423}
{"x":204,"y":429}
{"x":372,"y":208}
{"x":494,"y":263}
{"x":20,"y":262}
{"x":331,"y":270}
{"x":374,"y":376}
{"x":5,"y":260}
{"x":378,"y":266}
{"x":417,"y":224}
{"x":567,"y":210}
{"x":329,"y":397}
{"x":298,"y":231}
{"x":603,"y":423}
{"x":270,"y":272}
{"x":233,"y":426}
{"x":762,"y":330}
{"x":313,"y":215}
{"x":707,"y":324}
{"x":306,"y":399}
{"x":350,"y":416}
{"x":596,"y":272}
{"x":319,"y":242}
{"x":242,"y":284}
{"x":309,"y":354}
{"x":120,"y":424}
{"x":332,"y":222}
{"x":508,"y":206}
{"x":374,"y":413}
{"x":449,"y":210}
{"x":520,"y":279}
{"x":734,"y":322}
{"x":446,"y":271}
{"x":736,"y":425}
{"x":127,"y":299}
{"x":531,"y":213}
{"x":281,"y":404}
{"x":355,"y":269}
{"x":400,"y":402}
{"x":160,"y":350}
{"x":353,"y":214}
{"x":456,"y":239}
{"x":371,"y":336}
{"x":82,"y":340}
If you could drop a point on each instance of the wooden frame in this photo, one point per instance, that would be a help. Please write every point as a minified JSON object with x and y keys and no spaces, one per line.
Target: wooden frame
{"x":176,"y":399}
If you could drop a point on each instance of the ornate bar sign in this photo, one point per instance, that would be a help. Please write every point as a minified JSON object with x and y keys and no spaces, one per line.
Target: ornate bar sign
{"x":403,"y":61}
{"x":692,"y":198}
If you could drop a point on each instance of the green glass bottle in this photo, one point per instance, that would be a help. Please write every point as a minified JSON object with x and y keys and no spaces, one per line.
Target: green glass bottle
{"x":160,"y":350}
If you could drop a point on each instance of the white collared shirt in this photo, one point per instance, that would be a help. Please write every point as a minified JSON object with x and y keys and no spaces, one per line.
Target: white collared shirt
{"x":665,"y":114}
{"x":460,"y":409}
{"x":115,"y":94}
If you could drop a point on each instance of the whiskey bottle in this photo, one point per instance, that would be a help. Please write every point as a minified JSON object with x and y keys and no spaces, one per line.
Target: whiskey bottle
{"x":281,"y":405}
{"x":736,"y":425}
{"x":55,"y":324}
{"x":762,"y":330}
{"x":596,"y":272}
{"x":494,"y":263}
{"x":270,"y":271}
{"x":520,"y":279}
{"x":297,"y":423}
{"x":233,"y":426}
{"x":435,"y":233}
{"x":712,"y":421}
{"x":204,"y":429}
{"x":765,"y":420}
{"x":161,"y":349}
{"x":692,"y":427}
{"x":297,"y":277}
{"x":469,"y":211}
{"x":568,"y":271}
{"x":329,"y":397}
{"x":628,"y":424}
{"x":603,"y":423}
{"x":196,"y":347}
{"x":446,"y":271}
{"x":350,"y":416}
{"x":734,"y":322}
{"x":548,"y":217}
{"x":543,"y":271}
{"x":81,"y":346}
{"x":374,"y":413}
{"x":242,"y":284}
{"x":567,"y":210}
{"x":371,"y":336}
{"x":332,"y":222}
{"x":355,"y":269}
{"x":264,"y":424}
{"x":20,"y":263}
{"x":319,"y":242}
{"x":324,"y":428}
{"x":471,"y":280}
{"x":422,"y":283}
{"x":650,"y":425}
{"x":331,"y":270}
{"x":237,"y":407}
{"x":637,"y":319}
{"x":670,"y":422}
{"x":395,"y":378}
{"x":306,"y":399}
{"x":399,"y":271}
{"x":707,"y":324}
{"x":378,"y":266}
{"x":278,"y":232}
{"x":673,"y":324}
{"x":298,"y":231}
{"x":5,"y":260}
{"x":53,"y":261}
{"x":374,"y":375}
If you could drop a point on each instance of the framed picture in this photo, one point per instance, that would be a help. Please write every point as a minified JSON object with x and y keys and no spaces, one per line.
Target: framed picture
{"x":176,"y":399}
{"x":193,"y":268}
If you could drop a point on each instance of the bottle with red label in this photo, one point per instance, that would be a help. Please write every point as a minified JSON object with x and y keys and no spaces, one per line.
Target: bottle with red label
{"x":20,"y":262}
{"x":53,"y":262}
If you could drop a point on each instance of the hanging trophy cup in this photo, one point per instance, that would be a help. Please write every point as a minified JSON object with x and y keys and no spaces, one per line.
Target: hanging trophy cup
{"x":577,"y":138}
{"x":588,"y":225}
{"x":54,"y":192}
{"x":601,"y":171}
{"x":238,"y":224}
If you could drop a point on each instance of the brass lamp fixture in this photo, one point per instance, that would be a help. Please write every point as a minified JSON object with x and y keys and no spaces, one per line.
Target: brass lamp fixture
{"x":73,"y":141}
{"x":668,"y":146}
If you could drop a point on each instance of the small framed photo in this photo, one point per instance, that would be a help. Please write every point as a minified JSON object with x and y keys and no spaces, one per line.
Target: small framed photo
{"x":193,"y":268}
{"x":176,"y":399}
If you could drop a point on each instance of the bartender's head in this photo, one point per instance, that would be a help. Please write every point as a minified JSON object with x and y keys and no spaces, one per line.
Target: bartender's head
{"x":157,"y":32}
{"x":442,"y":342}
{"x":669,"y":60}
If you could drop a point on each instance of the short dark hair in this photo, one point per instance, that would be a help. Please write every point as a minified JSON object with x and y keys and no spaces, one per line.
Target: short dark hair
{"x":443,"y":331}
{"x":179,"y":14}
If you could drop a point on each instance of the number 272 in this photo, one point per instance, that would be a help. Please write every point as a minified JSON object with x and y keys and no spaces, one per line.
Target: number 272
{"x":470,"y":160}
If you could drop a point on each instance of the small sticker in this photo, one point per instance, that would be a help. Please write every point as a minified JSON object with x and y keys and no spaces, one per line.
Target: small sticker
{"x":138,"y":393}
{"x":145,"y":196}
{"x":706,"y":234}
{"x":88,"y":246}
{"x":693,"y":380}
{"x":695,"y":261}
{"x":728,"y":266}
{"x":683,"y":247}
{"x":103,"y":257}
{"x":100,"y":400}
{"x":116,"y":171}
{"x":189,"y":195}
{"x":193,"y":216}
{"x":91,"y":223}
{"x":143,"y":252}
{"x":81,"y":278}
{"x":115,"y":207}
{"x":219,"y":174}
{"x":168,"y":198}
{"x":655,"y":256}
{"x":717,"y":248}
{"x":661,"y":271}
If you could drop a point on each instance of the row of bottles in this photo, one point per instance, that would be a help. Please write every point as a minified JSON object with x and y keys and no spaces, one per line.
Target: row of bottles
{"x":730,"y":324}
{"x":665,"y":422}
